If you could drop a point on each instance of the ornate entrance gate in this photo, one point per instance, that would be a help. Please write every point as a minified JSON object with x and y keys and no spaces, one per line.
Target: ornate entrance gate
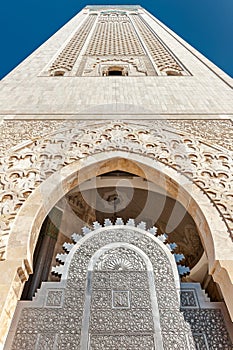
{"x":119,"y":290}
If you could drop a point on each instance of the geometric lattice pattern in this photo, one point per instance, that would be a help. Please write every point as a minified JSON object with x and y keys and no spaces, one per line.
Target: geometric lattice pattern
{"x":114,"y":35}
{"x":162,"y":58}
{"x":66,"y":59}
{"x":120,"y":257}
{"x":134,"y":305}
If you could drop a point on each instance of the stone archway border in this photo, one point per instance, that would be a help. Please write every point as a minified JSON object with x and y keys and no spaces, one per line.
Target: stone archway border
{"x":27,"y":166}
{"x":25,"y":231}
{"x":40,"y":173}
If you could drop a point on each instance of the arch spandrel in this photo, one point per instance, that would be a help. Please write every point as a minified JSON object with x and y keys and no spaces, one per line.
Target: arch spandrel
{"x":56,"y":186}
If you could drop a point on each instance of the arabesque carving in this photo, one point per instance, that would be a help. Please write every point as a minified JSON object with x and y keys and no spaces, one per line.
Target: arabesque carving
{"x":99,"y":66}
{"x":164,"y":60}
{"x":23,"y":169}
{"x":120,"y":259}
{"x":218,"y":132}
{"x":122,"y":306}
{"x":215,"y":132}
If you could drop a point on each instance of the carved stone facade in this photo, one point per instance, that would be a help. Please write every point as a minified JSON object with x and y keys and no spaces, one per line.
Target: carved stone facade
{"x":67,"y":57}
{"x":165,"y":62}
{"x":122,"y":40}
{"x":166,"y":122}
{"x":23,"y":169}
{"x":120,"y":287}
{"x":215,"y":132}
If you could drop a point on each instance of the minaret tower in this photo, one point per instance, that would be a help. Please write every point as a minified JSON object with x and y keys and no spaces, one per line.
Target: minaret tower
{"x":116,"y":144}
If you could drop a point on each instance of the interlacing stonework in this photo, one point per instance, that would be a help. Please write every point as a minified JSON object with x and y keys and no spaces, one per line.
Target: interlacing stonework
{"x":120,"y":298}
{"x":124,"y":343}
{"x":26,"y":131}
{"x":67,"y":57}
{"x":163,"y":59}
{"x":127,"y":274}
{"x":115,"y":43}
{"x":120,"y":259}
{"x":54,"y":298}
{"x":216,"y":132}
{"x":116,"y":34}
{"x":135,"y":65}
{"x":25,"y":167}
{"x":124,"y":297}
{"x":200,"y":321}
{"x":188,"y":299}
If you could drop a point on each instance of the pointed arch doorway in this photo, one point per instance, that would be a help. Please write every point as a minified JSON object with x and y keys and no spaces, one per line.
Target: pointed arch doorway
{"x":59,"y":184}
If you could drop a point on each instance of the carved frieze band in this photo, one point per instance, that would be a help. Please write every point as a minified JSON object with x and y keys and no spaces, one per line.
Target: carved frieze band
{"x":25,"y":167}
{"x":214,"y":132}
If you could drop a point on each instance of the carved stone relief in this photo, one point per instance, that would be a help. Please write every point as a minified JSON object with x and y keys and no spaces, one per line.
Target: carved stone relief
{"x":109,"y":342}
{"x":166,"y":62}
{"x":122,"y":312}
{"x":215,"y":132}
{"x":121,"y":302}
{"x":188,"y":299}
{"x":121,"y":299}
{"x":54,"y":298}
{"x":200,"y":321}
{"x":22,"y":170}
{"x":135,"y":66}
{"x":67,"y":57}
{"x":120,"y":259}
{"x":15,"y":132}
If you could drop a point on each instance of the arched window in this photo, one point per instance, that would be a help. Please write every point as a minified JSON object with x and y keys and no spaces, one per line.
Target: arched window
{"x":173,"y":72}
{"x":58,"y":73}
{"x":115,"y":71}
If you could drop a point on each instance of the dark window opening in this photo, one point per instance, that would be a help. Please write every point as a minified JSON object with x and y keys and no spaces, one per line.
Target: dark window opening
{"x":115,"y":72}
{"x":43,"y":254}
{"x":58,"y":73}
{"x":173,"y":73}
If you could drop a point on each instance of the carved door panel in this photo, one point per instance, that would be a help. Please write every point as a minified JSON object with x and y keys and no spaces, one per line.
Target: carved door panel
{"x":120,"y":313}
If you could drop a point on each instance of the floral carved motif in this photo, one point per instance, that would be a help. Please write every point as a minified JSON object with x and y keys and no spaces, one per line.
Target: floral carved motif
{"x":216,"y":132}
{"x":23,"y":169}
{"x":120,"y":259}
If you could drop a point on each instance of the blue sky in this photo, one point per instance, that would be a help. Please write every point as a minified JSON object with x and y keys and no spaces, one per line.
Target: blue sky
{"x":205,"y":24}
